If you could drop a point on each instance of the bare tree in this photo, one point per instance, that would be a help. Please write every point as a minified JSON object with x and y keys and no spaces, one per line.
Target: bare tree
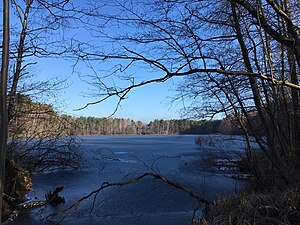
{"x":39,"y":31}
{"x":38,"y":36}
{"x":235,"y":57}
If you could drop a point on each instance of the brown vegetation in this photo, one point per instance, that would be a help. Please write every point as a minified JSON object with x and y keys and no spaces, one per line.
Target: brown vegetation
{"x":17,"y":184}
{"x":267,"y":208}
{"x":262,"y":203}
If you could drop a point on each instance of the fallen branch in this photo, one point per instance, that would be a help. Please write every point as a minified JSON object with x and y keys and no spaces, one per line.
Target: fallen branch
{"x":107,"y":185}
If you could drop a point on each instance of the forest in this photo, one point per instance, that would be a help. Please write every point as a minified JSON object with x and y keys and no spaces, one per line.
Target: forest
{"x":33,"y":119}
{"x":233,"y":59}
{"x":38,"y":120}
{"x":119,"y":126}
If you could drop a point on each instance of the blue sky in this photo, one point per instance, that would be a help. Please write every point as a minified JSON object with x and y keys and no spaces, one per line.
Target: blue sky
{"x":145,"y":103}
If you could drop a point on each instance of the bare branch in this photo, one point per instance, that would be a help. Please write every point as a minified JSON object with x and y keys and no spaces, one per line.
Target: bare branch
{"x":108,"y":185}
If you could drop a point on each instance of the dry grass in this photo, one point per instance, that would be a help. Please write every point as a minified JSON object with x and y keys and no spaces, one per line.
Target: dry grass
{"x":273,"y":207}
{"x":269,"y":200}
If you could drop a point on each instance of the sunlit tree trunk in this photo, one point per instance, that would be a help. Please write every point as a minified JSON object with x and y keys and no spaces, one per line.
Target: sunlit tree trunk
{"x":3,"y":100}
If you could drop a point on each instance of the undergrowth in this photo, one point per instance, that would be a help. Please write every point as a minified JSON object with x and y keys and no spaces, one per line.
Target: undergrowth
{"x":264,"y":202}
{"x":272,"y":207}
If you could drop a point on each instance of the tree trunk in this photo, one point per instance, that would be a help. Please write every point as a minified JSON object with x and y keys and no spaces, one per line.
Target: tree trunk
{"x":265,"y":119}
{"x":3,"y":98}
{"x":292,"y":59}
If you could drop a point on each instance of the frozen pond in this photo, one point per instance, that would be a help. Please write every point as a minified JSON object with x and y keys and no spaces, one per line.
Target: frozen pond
{"x":149,"y":201}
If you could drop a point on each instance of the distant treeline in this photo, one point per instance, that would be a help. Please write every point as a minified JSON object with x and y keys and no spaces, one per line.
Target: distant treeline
{"x":35,"y":120}
{"x":121,"y":126}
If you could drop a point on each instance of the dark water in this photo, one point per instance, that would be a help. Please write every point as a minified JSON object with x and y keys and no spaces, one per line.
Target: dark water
{"x":149,"y":201}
